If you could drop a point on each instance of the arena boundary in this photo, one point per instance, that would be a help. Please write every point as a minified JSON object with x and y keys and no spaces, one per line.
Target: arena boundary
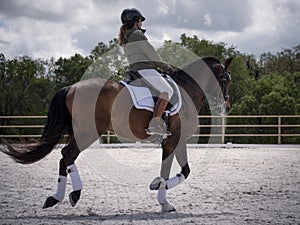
{"x":227,"y":145}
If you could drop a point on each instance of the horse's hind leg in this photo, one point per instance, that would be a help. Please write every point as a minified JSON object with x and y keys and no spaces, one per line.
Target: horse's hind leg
{"x":70,"y":153}
{"x":162,"y":193}
{"x":61,"y":186}
{"x":67,"y":166}
{"x":167,"y":159}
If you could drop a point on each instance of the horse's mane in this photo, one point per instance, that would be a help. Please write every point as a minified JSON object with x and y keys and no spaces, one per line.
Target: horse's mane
{"x":181,"y":76}
{"x":208,"y":60}
{"x":212,"y":59}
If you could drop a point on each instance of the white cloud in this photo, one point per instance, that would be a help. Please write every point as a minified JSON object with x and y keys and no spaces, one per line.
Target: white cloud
{"x":62,"y":28}
{"x":39,"y":38}
{"x":275,"y":25}
{"x":163,"y":9}
{"x":207,"y":19}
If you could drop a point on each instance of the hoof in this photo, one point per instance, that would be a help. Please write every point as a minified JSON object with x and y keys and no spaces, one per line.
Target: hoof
{"x":167,"y":207}
{"x":50,"y":201}
{"x":158,"y":183}
{"x":74,"y":197}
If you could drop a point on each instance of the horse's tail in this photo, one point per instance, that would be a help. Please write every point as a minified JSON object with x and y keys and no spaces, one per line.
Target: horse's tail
{"x":59,"y":123}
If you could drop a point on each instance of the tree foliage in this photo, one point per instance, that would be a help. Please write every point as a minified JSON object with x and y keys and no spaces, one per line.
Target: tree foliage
{"x":23,"y":83}
{"x":269,"y":84}
{"x":69,"y":71}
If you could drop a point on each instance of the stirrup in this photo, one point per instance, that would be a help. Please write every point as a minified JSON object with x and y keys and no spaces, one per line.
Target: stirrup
{"x":158,"y":130}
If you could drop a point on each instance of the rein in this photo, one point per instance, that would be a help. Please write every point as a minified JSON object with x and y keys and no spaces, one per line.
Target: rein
{"x":176,"y":76}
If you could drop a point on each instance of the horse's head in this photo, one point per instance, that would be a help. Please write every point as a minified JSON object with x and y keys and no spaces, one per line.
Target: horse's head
{"x":206,"y":77}
{"x":223,"y":77}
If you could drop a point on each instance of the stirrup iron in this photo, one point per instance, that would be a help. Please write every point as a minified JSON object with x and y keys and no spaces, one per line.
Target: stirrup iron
{"x":158,"y":130}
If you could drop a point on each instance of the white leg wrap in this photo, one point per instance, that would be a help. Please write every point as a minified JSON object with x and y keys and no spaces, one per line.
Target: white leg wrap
{"x":61,"y":188}
{"x":162,"y":196}
{"x":167,"y":207}
{"x":75,"y":178}
{"x":174,"y":181}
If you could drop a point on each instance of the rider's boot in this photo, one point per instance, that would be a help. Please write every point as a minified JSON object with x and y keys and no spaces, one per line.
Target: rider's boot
{"x":157,"y":126}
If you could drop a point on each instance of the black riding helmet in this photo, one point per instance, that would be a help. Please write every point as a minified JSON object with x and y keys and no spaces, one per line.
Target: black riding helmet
{"x":131,"y":15}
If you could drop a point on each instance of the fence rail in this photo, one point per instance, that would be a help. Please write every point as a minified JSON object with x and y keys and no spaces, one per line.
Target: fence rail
{"x":224,"y":122}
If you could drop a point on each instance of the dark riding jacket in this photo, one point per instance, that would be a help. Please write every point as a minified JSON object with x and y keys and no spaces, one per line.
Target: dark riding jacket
{"x":140,"y":53}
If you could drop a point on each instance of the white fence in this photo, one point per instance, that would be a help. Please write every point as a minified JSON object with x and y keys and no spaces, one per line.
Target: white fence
{"x":278,"y":123}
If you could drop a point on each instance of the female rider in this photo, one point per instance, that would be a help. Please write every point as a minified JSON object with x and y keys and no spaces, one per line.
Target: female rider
{"x":143,"y":59}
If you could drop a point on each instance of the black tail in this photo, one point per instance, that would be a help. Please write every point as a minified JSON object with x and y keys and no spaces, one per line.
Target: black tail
{"x":59,"y":123}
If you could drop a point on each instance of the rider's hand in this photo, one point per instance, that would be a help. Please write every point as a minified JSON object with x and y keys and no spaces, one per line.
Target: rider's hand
{"x":170,"y":70}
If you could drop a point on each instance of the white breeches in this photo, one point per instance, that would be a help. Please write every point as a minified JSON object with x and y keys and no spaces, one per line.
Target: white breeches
{"x":153,"y":77}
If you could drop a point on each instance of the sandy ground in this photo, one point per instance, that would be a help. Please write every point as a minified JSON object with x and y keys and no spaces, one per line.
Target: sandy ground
{"x":226,"y":186}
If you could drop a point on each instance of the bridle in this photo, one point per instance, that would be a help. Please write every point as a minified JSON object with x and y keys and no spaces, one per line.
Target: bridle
{"x":225,"y":79}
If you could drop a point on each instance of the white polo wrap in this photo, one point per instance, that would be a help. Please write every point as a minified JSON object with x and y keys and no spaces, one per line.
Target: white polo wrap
{"x":75,"y":178}
{"x":61,"y":188}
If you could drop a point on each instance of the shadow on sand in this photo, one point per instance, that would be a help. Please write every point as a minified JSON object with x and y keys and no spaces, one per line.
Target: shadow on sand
{"x":118,"y":217}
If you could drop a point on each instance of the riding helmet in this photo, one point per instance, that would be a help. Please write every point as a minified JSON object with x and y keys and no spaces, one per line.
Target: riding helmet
{"x":131,"y":15}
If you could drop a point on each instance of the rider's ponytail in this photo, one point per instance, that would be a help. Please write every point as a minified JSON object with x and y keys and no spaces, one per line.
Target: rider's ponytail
{"x":122,"y":33}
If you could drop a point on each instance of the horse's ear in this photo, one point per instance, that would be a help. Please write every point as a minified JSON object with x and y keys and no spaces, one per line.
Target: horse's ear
{"x":228,"y":62}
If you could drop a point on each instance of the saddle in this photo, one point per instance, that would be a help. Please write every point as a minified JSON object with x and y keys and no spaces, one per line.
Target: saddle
{"x":144,"y":96}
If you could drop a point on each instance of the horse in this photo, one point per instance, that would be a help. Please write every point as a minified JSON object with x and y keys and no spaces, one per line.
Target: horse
{"x":87,"y":109}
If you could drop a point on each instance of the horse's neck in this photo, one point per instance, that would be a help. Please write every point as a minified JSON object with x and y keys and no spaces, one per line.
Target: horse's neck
{"x":191,"y":88}
{"x":184,"y":80}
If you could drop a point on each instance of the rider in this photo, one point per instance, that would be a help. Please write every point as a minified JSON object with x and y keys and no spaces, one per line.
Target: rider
{"x":143,"y":59}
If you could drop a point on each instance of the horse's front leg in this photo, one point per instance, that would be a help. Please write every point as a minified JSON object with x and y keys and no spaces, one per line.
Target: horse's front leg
{"x":167,"y":161}
{"x":163,"y":183}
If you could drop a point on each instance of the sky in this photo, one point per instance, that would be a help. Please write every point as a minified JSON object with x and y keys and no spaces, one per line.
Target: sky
{"x":61,"y":28}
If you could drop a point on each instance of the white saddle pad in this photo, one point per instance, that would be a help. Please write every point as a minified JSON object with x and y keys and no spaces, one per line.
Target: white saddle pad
{"x":142,"y":98}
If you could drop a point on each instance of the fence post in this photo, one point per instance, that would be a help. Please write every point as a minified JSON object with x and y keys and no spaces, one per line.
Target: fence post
{"x":223,"y":129}
{"x":108,"y":137}
{"x":279,"y":129}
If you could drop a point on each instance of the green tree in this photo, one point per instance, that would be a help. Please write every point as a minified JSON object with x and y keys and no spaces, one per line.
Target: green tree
{"x":176,"y":55}
{"x":24,"y":89}
{"x":286,"y":61}
{"x":100,"y":49}
{"x":271,"y":95}
{"x":205,"y":48}
{"x":275,"y":95}
{"x":69,"y":71}
{"x":108,"y":62}
{"x":17,"y":78}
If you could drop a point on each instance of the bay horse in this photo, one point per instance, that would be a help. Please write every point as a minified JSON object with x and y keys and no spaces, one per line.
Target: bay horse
{"x":87,"y":109}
